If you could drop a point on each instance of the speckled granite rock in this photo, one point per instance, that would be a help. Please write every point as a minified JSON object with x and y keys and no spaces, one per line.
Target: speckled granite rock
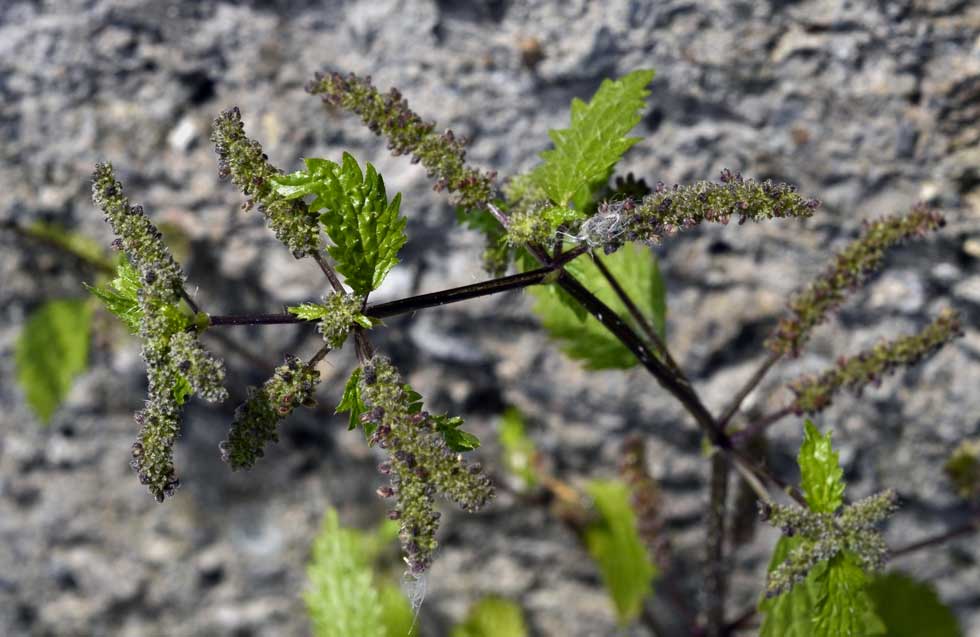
{"x":867,"y":106}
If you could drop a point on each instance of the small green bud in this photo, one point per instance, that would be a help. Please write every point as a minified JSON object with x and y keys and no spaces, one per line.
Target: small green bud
{"x":963,"y":468}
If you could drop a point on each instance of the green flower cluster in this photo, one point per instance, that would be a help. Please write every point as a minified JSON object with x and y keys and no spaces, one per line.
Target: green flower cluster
{"x":813,"y":394}
{"x":849,"y":269}
{"x":161,"y":276}
{"x":342,"y":313}
{"x":242,"y":159}
{"x":826,"y":535}
{"x":203,"y":372}
{"x":256,"y":420}
{"x":665,"y":211}
{"x":419,"y":462}
{"x":442,"y":155}
{"x":176,"y":363}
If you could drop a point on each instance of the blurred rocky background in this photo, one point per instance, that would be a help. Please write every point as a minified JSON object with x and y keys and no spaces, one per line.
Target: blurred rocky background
{"x":868,"y":106}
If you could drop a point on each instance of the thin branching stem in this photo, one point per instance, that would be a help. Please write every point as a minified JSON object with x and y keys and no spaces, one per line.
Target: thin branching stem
{"x":716,"y":576}
{"x":319,"y":356}
{"x":415,"y":303}
{"x":760,"y":424}
{"x":742,"y":394}
{"x":189,"y":301}
{"x":965,"y":529}
{"x":638,"y":316}
{"x":329,"y":272}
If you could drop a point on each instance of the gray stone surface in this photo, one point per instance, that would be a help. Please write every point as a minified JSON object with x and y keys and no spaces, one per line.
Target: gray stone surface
{"x":868,"y":106}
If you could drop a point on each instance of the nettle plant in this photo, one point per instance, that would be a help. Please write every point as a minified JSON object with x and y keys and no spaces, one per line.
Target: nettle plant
{"x":578,"y":239}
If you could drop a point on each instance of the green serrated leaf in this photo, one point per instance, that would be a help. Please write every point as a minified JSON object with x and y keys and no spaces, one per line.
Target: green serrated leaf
{"x":351,"y":401}
{"x":308,"y":311}
{"x":910,"y":608}
{"x":51,"y":350}
{"x":586,"y":152}
{"x":843,"y":607}
{"x":821,"y":474}
{"x":119,"y":295}
{"x":621,"y":555}
{"x":519,"y":450}
{"x":363,"y":224}
{"x":492,"y":617}
{"x":456,"y":439}
{"x":586,"y":339}
{"x":789,"y":614}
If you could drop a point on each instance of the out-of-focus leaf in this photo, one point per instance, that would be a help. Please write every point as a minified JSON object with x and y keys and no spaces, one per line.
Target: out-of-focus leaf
{"x":618,"y":550}
{"x":518,"y":448}
{"x":52,"y":349}
{"x":73,"y":242}
{"x":492,"y":617}
{"x":343,"y":598}
{"x":910,"y":608}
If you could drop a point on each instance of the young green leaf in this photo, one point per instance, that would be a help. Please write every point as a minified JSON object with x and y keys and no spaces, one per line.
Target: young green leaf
{"x":363,"y":224}
{"x":615,"y":545}
{"x":586,"y":152}
{"x":821,"y":474}
{"x":51,"y":350}
{"x":910,"y":608}
{"x":586,"y":339}
{"x":308,"y":311}
{"x":119,"y":295}
{"x":351,"y":402}
{"x":519,"y":451}
{"x":456,"y":439}
{"x":181,"y":389}
{"x":492,"y":617}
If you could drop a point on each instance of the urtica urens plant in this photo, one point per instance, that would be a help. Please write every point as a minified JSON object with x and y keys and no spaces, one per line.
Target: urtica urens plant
{"x":576,"y":235}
